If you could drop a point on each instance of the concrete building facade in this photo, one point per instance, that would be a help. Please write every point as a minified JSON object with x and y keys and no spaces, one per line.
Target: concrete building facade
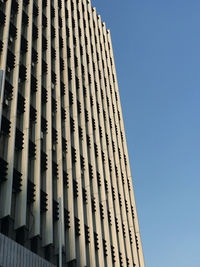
{"x":65,"y":178}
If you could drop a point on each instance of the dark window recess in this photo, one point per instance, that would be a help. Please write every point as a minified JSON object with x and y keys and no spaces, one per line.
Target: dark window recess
{"x":68,"y":52}
{"x":19,"y":140}
{"x":109,"y":218}
{"x":96,"y":150}
{"x":120,"y":259}
{"x":61,"y":42}
{"x":65,"y":178}
{"x":87,"y":58}
{"x":113,"y":254}
{"x":20,"y":104}
{"x":34,"y":55}
{"x":80,"y":133}
{"x":124,"y":230}
{"x":44,"y":21}
{"x":44,"y":67}
{"x":82,"y":162}
{"x":20,"y":235}
{"x":117,"y":224}
{"x":87,"y":234}
{"x":69,"y":74}
{"x":24,"y":45}
{"x":98,"y":179}
{"x":101,"y":211}
{"x":53,"y":32}
{"x":32,"y":149}
{"x":116,"y":130}
{"x":73,"y":155}
{"x":44,"y":3}
{"x":75,"y":188}
{"x":43,"y":201}
{"x":77,"y":227}
{"x":82,"y":69}
{"x":128,"y":262}
{"x":84,"y":23}
{"x":123,"y":180}
{"x":93,"y":205}
{"x":15,"y":6}
{"x":71,"y":98}
{"x":33,"y":84}
{"x":67,"y":218}
{"x":31,"y":192}
{"x":22,"y":72}
{"x":62,"y":89}
{"x":89,"y":78}
{"x":102,"y":95}
{"x":113,"y":145}
{"x":110,"y":122}
{"x":13,"y":31}
{"x":131,"y":238}
{"x":76,"y":61}
{"x":17,"y":181}
{"x":79,"y":29}
{"x":88,"y":141}
{"x":3,"y":170}
{"x":53,"y":104}
{"x":33,"y":113}
{"x":132,"y":211}
{"x":67,"y":32}
{"x":73,"y":23}
{"x":100,"y":131}
{"x":107,"y":139}
{"x":43,"y":161}
{"x":62,"y":65}
{"x":81,"y":50}
{"x":126,"y":204}
{"x":92,"y":101}
{"x":2,"y":18}
{"x":129,"y":186}
{"x":54,"y":169}
{"x":53,"y":53}
{"x":137,"y":243}
{"x":106,"y":186}
{"x":77,"y":83}
{"x":86,"y":115}
{"x":104,"y":115}
{"x":63,"y":113}
{"x":52,"y":11}
{"x":44,"y":95}
{"x":5,"y":126}
{"x":79,"y":106}
{"x":108,"y":102}
{"x":84,"y":91}
{"x":120,"y":200}
{"x":34,"y":32}
{"x":44,"y":43}
{"x":10,"y":60}
{"x":35,"y":244}
{"x":54,"y":135}
{"x":96,"y":241}
{"x":1,"y":46}
{"x":55,"y":210}
{"x":125,"y":160}
{"x":72,"y":124}
{"x":25,"y":18}
{"x":35,"y":10}
{"x":84,"y":195}
{"x":53,"y":77}
{"x":110,"y":165}
{"x":64,"y":145}
{"x":103,"y":156}
{"x":113,"y":193}
{"x":43,"y":124}
{"x":91,"y":171}
{"x":60,"y":22}
{"x":105,"y":248}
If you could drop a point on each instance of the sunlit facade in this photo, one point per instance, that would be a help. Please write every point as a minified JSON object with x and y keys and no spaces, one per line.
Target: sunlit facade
{"x":62,"y":138}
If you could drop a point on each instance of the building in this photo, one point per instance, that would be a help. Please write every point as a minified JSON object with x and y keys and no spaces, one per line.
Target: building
{"x":65,"y":180}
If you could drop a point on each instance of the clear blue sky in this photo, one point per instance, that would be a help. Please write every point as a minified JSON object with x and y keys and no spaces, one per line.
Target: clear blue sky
{"x":157,"y":54}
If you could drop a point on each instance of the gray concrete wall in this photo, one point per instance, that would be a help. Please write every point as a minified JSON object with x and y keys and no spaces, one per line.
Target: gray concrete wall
{"x":13,"y":254}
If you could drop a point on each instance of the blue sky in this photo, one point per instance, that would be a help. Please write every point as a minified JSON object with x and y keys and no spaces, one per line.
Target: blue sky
{"x":157,"y":54}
